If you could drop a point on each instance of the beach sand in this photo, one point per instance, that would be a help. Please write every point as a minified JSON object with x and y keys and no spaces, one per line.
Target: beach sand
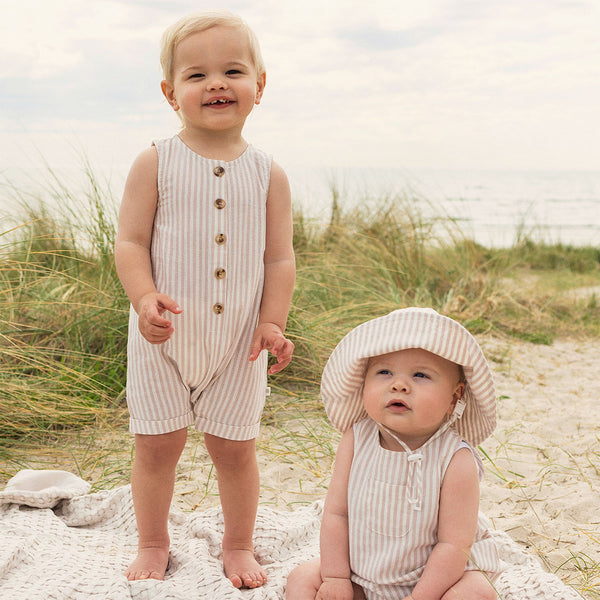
{"x":542,"y":484}
{"x":542,"y":480}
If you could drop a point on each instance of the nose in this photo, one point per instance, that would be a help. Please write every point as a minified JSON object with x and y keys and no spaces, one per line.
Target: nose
{"x":216,"y":83}
{"x":399,"y":384}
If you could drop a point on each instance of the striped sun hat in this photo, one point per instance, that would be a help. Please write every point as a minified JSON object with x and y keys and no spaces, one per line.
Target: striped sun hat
{"x":344,"y":373}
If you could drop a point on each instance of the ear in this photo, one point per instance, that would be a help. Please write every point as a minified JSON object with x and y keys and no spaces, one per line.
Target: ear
{"x":260,"y":87}
{"x":169,"y":92}
{"x":459,"y":390}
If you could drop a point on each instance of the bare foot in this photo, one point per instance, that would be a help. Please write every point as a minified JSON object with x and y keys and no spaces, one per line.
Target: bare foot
{"x":242,"y":569}
{"x":150,"y":563}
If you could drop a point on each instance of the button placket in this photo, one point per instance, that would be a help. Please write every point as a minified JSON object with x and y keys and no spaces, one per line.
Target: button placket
{"x":220,"y":238}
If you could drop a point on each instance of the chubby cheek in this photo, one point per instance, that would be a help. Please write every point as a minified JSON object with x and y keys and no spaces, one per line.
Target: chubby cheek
{"x":190,"y":95}
{"x":370,"y":403}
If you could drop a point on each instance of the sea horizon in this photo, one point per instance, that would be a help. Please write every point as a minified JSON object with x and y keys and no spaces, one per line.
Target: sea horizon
{"x":492,"y":206}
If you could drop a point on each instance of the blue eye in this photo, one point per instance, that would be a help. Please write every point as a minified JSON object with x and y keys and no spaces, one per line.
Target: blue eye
{"x":233,"y":72}
{"x":384,"y":372}
{"x":419,"y":374}
{"x":196,"y":75}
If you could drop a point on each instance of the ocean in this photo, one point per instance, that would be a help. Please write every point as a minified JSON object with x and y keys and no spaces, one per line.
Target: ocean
{"x":494,"y":208}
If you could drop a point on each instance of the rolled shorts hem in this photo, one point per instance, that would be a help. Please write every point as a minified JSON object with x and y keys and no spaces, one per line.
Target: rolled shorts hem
{"x":227,"y":431}
{"x":145,"y":427}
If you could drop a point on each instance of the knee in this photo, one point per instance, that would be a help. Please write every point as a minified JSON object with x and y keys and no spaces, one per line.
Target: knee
{"x":297,"y":576}
{"x":160,"y":449}
{"x":304,"y":581}
{"x":230,"y":453}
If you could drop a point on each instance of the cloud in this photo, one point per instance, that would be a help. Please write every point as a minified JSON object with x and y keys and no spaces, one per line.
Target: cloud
{"x":377,"y":38}
{"x":433,"y":83}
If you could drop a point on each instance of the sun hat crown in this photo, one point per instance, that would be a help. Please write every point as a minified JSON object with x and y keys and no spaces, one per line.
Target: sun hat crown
{"x":343,"y":376}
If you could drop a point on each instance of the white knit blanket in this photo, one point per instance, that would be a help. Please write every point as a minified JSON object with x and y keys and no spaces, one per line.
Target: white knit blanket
{"x":58,"y":541}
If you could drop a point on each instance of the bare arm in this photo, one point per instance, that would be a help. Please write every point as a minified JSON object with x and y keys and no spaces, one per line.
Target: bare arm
{"x":280,"y":273}
{"x":335,"y":552}
{"x":459,"y":506}
{"x":132,"y":248}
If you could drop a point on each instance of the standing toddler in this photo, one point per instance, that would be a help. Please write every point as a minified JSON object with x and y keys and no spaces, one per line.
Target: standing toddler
{"x":204,"y":253}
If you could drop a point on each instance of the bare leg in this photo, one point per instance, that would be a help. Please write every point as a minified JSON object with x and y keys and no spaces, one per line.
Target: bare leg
{"x":239,"y":487}
{"x":473,"y":585}
{"x":304,"y":582}
{"x":152,"y":483}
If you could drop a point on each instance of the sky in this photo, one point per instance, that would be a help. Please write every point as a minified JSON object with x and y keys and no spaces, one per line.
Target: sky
{"x":457,"y":84}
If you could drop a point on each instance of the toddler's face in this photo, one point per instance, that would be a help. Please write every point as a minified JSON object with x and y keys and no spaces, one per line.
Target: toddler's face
{"x":215,"y":83}
{"x":411,"y":392}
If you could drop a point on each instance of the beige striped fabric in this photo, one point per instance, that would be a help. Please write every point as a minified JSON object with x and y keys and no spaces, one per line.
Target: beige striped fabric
{"x":207,"y":254}
{"x":343,"y":376}
{"x":391,"y":534}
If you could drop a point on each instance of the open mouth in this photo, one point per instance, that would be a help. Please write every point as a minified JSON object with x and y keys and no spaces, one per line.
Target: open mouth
{"x":219,"y":101}
{"x":397,"y":406}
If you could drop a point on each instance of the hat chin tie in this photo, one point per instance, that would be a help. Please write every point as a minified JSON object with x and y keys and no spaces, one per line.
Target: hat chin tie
{"x":415,"y":458}
{"x":415,"y":476}
{"x":415,"y":469}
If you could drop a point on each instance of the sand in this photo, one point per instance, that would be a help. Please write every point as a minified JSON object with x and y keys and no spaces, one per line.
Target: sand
{"x":542,"y":484}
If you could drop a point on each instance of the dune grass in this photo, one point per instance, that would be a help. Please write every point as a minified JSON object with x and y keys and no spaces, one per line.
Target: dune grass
{"x":63,"y":314}
{"x":63,"y":318}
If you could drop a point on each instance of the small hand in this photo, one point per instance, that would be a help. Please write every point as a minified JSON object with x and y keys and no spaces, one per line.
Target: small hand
{"x":269,"y":336}
{"x":152,"y":325}
{"x":335,"y":589}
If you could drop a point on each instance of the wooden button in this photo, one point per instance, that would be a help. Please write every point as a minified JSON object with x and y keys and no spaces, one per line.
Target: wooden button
{"x":219,"y":171}
{"x":220,"y":203}
{"x":218,"y":308}
{"x":220,"y":239}
{"x":220,"y":273}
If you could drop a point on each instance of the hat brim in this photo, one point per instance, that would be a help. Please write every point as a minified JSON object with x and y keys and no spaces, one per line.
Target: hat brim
{"x":343,"y":376}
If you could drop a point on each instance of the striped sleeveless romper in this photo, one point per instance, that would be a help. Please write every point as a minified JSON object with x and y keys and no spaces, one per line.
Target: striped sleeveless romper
{"x":393,"y":505}
{"x":207,"y":253}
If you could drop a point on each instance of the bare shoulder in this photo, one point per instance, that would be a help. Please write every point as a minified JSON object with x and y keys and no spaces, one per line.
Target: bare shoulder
{"x":461,"y":470}
{"x":140,"y":198}
{"x":277,"y":171}
{"x":142,"y":181}
{"x":345,"y":451}
{"x":279,"y":185}
{"x":145,"y":164}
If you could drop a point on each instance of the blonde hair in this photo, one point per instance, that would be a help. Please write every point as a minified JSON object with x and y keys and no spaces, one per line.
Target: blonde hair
{"x":201,"y":21}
